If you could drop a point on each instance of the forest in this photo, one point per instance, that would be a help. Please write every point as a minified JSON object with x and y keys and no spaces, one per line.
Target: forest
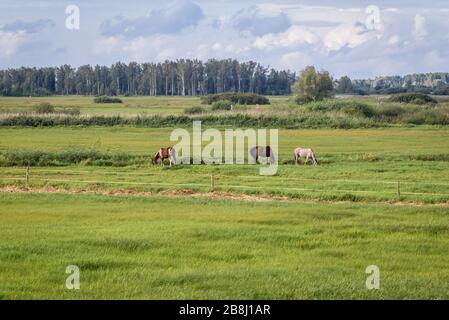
{"x":170,"y":78}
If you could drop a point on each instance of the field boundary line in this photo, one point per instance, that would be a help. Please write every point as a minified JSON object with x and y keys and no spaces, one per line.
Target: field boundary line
{"x":243,"y":177}
{"x":221,"y":186}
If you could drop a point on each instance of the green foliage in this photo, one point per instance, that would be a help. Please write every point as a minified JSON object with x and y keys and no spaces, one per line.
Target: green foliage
{"x":44,"y":108}
{"x":66,"y":158}
{"x":194,"y":110}
{"x":312,"y":86}
{"x":237,"y":98}
{"x":352,"y":108}
{"x":71,"y":111}
{"x":105,"y":99}
{"x":344,"y":85}
{"x":413,"y":98}
{"x":430,"y":117}
{"x":222,"y":105}
{"x":442,"y":91}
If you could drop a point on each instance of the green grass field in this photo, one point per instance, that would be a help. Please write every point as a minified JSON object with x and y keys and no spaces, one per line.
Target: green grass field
{"x":130,"y":105}
{"x":138,"y":231}
{"x":355,"y":164}
{"x":183,"y":248}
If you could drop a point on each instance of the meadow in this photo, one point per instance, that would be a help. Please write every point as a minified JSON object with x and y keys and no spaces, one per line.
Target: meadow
{"x":195,"y":248}
{"x":92,"y":199}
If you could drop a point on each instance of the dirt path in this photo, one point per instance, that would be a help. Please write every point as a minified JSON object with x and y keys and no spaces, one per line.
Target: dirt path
{"x":211,"y":195}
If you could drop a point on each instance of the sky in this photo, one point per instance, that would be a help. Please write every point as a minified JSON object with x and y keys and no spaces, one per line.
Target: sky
{"x":361,"y":39}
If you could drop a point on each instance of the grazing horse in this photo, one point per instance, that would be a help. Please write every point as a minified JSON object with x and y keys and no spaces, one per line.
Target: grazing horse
{"x":305,"y":153}
{"x":165,"y":153}
{"x":267,"y":152}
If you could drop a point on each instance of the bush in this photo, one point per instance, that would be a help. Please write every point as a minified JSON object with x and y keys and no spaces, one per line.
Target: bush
{"x":413,"y":98}
{"x":72,"y":111}
{"x":443,"y":91}
{"x":390,"y":111}
{"x":70,"y":157}
{"x":352,"y":108}
{"x":222,"y":105}
{"x":105,"y":99}
{"x":44,"y":107}
{"x":236,"y":98}
{"x":430,"y":117}
{"x":194,"y":110}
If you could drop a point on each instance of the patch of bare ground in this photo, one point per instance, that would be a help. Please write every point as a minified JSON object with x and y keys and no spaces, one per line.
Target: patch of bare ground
{"x":212,"y":195}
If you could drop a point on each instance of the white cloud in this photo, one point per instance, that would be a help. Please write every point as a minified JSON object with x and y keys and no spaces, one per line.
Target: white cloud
{"x":294,"y":36}
{"x":170,"y":19}
{"x":10,"y":42}
{"x":260,"y":20}
{"x":393,"y":40}
{"x":349,"y":36}
{"x":420,"y":26}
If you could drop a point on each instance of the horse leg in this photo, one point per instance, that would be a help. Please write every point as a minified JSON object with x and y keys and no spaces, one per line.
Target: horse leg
{"x":307,"y":159}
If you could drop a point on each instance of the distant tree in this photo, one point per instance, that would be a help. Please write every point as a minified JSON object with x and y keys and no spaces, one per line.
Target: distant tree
{"x":344,"y":85}
{"x":312,"y":86}
{"x":180,"y":77}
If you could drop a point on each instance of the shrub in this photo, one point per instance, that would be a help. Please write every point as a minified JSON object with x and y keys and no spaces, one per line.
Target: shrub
{"x":73,"y":111}
{"x":430,"y":117}
{"x":352,"y":108}
{"x":69,"y":157}
{"x":44,"y":107}
{"x":222,"y":105}
{"x":413,"y":98}
{"x":236,"y":98}
{"x":105,"y":99}
{"x":443,"y":91}
{"x":194,"y":110}
{"x":390,"y":111}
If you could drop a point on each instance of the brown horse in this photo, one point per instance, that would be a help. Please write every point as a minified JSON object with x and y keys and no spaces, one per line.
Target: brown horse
{"x":257,"y":152}
{"x":165,"y":153}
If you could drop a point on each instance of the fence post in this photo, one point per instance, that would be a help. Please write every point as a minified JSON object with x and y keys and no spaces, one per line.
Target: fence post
{"x":399,"y":190}
{"x":27,"y":176}
{"x":212,"y":182}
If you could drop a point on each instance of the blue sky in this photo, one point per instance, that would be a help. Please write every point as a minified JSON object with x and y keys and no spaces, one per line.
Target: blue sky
{"x":344,"y":37}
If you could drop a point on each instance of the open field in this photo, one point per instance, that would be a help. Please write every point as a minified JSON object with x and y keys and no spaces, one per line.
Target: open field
{"x":355,"y":164}
{"x":138,"y":231}
{"x":127,"y":247}
{"x":130,"y":105}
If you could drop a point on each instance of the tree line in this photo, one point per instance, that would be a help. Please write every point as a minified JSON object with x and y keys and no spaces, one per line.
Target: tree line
{"x":181,"y":78}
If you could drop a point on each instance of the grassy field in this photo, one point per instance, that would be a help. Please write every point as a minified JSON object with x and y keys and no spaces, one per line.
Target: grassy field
{"x":129,"y":247}
{"x":355,"y":164}
{"x":138,"y":231}
{"x":130,"y":105}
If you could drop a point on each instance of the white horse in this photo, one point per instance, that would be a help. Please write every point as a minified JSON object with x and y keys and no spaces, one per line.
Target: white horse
{"x":305,"y":153}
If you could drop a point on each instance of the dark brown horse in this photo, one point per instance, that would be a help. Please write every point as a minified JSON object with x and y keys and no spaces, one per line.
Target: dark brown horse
{"x":165,"y":153}
{"x":266,"y":152}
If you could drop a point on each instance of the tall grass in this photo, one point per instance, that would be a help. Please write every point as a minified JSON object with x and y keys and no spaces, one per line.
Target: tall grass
{"x":324,"y":114}
{"x":69,"y":157}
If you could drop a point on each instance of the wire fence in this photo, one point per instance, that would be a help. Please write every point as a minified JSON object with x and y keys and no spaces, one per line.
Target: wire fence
{"x":215,"y":184}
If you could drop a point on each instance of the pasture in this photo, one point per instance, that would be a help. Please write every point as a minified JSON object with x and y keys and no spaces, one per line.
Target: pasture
{"x":93,"y":199}
{"x":200,"y":248}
